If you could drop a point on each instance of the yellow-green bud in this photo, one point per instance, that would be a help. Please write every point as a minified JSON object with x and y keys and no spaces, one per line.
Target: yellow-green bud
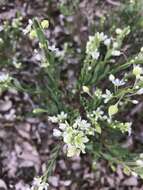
{"x":45,"y":24}
{"x":118,"y":31}
{"x":141,"y":49}
{"x":33,"y":34}
{"x":85,"y":89}
{"x":41,"y":45}
{"x":137,"y":71}
{"x":113,"y":109}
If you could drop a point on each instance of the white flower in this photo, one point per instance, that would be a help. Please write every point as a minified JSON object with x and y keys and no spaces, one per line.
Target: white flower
{"x":97,"y":114}
{"x":118,"y":82}
{"x":141,"y":49}
{"x":4,"y":77}
{"x":59,"y":118}
{"x":91,"y":38}
{"x":57,"y":133}
{"x":102,"y":36}
{"x":118,"y":31}
{"x":140,"y":91}
{"x":57,"y":52}
{"x":111,"y":77}
{"x":134,"y":174}
{"x":107,"y":96}
{"x":137,"y":71}
{"x":94,"y":43}
{"x":89,"y":68}
{"x":1,"y":41}
{"x":85,"y":89}
{"x":72,"y":151}
{"x":62,"y":126}
{"x":62,"y":116}
{"x":81,"y":124}
{"x":107,"y":42}
{"x":28,"y":27}
{"x":132,"y":1}
{"x":98,"y":93}
{"x":135,"y":101}
{"x":53,"y":119}
{"x":39,"y":184}
{"x":95,"y":55}
{"x":139,"y":163}
{"x":105,"y":117}
{"x":116,"y":53}
{"x":115,"y":45}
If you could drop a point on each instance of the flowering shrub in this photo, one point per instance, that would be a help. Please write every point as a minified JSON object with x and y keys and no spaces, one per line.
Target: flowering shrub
{"x":93,"y":121}
{"x":95,"y":127}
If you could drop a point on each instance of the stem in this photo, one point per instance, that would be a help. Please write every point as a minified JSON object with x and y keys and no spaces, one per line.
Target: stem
{"x":51,"y":163}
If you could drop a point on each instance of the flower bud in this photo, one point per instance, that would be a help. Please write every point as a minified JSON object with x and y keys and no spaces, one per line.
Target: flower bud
{"x":112,"y":110}
{"x":85,"y":89}
{"x":141,"y":49}
{"x":32,"y":34}
{"x":118,"y":31}
{"x":111,"y":77}
{"x":137,"y":71}
{"x":57,"y":133}
{"x":45,"y":24}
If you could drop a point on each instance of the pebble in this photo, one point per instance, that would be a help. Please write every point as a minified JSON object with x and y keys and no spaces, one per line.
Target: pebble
{"x":54,"y":181}
{"x":5,"y":105}
{"x":131,"y":181}
{"x":3,"y":185}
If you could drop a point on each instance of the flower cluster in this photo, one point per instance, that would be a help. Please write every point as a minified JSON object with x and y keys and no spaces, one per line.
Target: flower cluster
{"x":29,"y":28}
{"x":5,"y":81}
{"x":4,"y":77}
{"x":59,"y":118}
{"x":113,"y":45}
{"x":74,"y":135}
{"x":138,"y":166}
{"x":94,"y":43}
{"x":123,"y":127}
{"x":56,"y":51}
{"x":97,"y":107}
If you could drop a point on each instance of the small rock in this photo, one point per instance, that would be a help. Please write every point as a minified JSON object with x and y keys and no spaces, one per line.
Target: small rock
{"x":24,"y":130}
{"x":131,"y":181}
{"x":76,"y":166}
{"x":32,"y":120}
{"x":3,"y":185}
{"x":62,"y":165}
{"x":54,"y":181}
{"x":66,"y":183}
{"x":10,"y":115}
{"x":111,"y":181}
{"x":5,"y":105}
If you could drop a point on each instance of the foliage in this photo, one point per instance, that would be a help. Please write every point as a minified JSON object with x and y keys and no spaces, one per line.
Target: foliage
{"x":109,"y":81}
{"x":98,"y":123}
